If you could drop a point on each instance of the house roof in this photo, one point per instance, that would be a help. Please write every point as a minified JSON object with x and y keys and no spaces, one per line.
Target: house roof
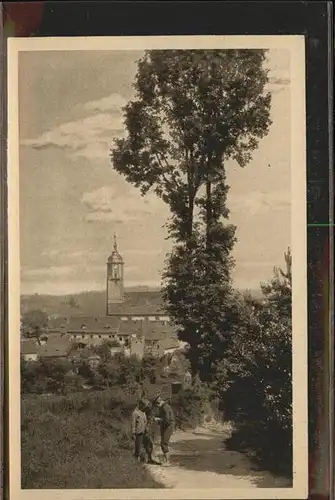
{"x":55,"y":347}
{"x":131,"y":328}
{"x":56,"y":323}
{"x":156,"y":331}
{"x":171,"y":343}
{"x":144,"y":303}
{"x":93,"y":356}
{"x":115,"y":256}
{"x":29,"y":347}
{"x":125,"y":309}
{"x":104,"y":325}
{"x":81,"y":324}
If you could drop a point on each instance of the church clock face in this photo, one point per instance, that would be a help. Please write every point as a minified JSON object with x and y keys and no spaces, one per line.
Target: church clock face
{"x":113,"y":290}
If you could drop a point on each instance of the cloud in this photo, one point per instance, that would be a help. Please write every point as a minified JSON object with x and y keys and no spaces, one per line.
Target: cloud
{"x":143,"y":252}
{"x":111,"y":103}
{"x":48,"y":272}
{"x":90,"y":137}
{"x":251,"y":265}
{"x":108,"y":204}
{"x":259,"y":202}
{"x":279,"y":79}
{"x":61,"y":256}
{"x":277,"y":84}
{"x":61,"y":288}
{"x":51,"y":253}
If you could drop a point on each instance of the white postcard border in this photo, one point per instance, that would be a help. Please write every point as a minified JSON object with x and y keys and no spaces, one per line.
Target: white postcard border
{"x":296,"y":45}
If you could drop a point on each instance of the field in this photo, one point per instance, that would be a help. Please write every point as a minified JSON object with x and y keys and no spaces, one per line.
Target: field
{"x":79,"y":441}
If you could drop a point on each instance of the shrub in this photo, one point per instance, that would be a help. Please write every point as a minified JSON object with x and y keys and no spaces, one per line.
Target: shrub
{"x":191,"y":405}
{"x":254,"y":381}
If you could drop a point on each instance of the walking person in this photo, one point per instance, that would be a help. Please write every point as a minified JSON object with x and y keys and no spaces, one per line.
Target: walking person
{"x":138,"y":429}
{"x":166,"y":420}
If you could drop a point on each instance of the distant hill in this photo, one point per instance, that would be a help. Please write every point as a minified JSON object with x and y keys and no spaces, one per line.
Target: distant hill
{"x":86,"y":303}
{"x":93,"y":303}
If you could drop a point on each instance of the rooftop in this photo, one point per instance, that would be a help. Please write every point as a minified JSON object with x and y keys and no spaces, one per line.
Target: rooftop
{"x":111,"y":324}
{"x":55,"y":347}
{"x":140,"y":303}
{"x":115,"y":256}
{"x":131,"y":328}
{"x":85,"y":323}
{"x":29,"y":346}
{"x":156,"y":331}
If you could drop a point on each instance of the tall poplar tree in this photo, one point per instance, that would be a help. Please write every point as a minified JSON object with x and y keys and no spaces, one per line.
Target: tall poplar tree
{"x":193,"y":111}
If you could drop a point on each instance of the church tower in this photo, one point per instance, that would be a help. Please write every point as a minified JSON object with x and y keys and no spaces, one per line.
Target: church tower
{"x":115,"y":292}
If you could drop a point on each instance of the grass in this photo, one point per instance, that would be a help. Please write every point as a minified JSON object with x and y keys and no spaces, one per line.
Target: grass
{"x":80,"y":441}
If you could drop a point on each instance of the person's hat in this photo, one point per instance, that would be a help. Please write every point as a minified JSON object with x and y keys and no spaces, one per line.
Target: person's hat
{"x":157,"y":397}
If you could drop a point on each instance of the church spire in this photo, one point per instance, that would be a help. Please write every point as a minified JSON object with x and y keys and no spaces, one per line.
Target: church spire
{"x":114,"y":278}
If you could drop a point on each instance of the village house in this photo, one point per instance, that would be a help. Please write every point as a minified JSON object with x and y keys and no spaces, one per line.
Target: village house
{"x":29,"y":349}
{"x":57,"y":346}
{"x":131,"y":337}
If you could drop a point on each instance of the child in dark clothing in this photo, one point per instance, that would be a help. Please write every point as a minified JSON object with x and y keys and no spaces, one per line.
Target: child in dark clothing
{"x":166,"y":420}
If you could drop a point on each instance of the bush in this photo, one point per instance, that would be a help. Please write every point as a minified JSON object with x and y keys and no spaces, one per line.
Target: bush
{"x":191,"y":405}
{"x":47,"y":375}
{"x":254,"y":381}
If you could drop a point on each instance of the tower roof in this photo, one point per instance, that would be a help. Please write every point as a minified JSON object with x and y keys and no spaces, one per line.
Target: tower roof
{"x":115,"y":257}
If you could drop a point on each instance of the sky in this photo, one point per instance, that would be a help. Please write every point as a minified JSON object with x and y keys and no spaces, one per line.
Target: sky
{"x":72,"y":201}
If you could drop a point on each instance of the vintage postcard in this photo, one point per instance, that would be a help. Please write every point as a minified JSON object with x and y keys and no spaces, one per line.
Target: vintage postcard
{"x":157,"y":274}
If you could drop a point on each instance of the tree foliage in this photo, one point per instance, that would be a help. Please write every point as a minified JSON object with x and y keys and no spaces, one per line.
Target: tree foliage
{"x":48,"y":375}
{"x":194,"y":110}
{"x":254,"y":379}
{"x":34,"y":324}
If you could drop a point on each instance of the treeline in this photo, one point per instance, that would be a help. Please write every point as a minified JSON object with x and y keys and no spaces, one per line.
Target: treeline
{"x":47,"y":375}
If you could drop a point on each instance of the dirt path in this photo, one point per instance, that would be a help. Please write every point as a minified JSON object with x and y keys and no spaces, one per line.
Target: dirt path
{"x":199,"y":460}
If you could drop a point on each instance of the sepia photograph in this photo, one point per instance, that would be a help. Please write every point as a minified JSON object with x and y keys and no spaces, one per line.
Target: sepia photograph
{"x":157,"y":274}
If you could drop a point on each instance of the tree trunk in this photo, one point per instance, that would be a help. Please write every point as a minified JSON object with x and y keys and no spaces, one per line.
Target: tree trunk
{"x":190,"y":217}
{"x":208,"y":214}
{"x":191,"y":196}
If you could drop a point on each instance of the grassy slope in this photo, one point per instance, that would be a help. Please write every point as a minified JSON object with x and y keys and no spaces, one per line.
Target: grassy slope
{"x":79,"y":442}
